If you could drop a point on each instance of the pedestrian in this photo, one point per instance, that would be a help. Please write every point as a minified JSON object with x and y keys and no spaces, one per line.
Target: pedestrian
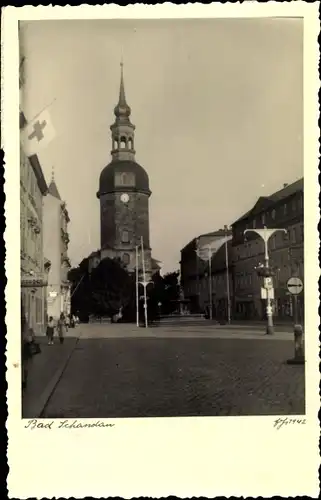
{"x":61,"y":326}
{"x":67,"y":322}
{"x":50,"y":330}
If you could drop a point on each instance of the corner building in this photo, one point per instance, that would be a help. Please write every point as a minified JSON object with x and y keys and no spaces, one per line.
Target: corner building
{"x":124,"y":195}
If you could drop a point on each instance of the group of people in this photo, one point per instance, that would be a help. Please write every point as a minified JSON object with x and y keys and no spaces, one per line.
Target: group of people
{"x":29,"y":345}
{"x":62,"y":325}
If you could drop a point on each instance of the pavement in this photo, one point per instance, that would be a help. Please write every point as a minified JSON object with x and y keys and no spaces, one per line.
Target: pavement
{"x":44,"y":372}
{"x":119,"y":370}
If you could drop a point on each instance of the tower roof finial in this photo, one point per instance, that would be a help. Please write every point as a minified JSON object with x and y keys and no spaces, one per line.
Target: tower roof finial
{"x":122,"y":97}
{"x":122,"y":110}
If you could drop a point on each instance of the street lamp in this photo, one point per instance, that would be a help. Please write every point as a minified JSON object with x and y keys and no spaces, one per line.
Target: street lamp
{"x":266,"y":272}
{"x":208,"y":257}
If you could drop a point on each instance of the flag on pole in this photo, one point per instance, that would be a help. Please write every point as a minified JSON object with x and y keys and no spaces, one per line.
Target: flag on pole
{"x":211,"y":248}
{"x":37,"y":134}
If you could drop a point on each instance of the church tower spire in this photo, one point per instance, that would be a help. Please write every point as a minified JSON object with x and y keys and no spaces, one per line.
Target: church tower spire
{"x":122,"y":130}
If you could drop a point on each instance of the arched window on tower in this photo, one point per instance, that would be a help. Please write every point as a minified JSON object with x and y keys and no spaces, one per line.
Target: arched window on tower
{"x":125,"y":236}
{"x":130,"y":143}
{"x":126,"y":259}
{"x":123,"y":142}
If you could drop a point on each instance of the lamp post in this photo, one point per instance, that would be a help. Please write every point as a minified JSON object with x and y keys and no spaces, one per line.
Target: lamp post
{"x":200,"y":252}
{"x":266,"y":272}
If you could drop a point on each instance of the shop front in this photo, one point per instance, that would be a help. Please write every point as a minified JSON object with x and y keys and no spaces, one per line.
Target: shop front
{"x":33,"y":302}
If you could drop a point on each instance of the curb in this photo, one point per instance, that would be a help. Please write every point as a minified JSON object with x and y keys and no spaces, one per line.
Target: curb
{"x":37,"y":410}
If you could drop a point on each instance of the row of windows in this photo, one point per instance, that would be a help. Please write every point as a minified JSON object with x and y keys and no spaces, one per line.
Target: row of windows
{"x":123,"y":143}
{"x":294,"y":236}
{"x":29,"y":182}
{"x":295,"y":205}
{"x":30,"y":241}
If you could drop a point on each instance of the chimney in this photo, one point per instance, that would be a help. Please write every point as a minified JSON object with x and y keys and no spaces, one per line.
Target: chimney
{"x":285,"y":185}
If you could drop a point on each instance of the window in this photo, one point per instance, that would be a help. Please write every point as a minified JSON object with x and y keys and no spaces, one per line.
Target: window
{"x":125,"y":236}
{"x":285,"y":209}
{"x":124,"y":179}
{"x":38,"y":310}
{"x":293,"y":235}
{"x":272,"y":242}
{"x":302,"y":232}
{"x":123,"y":142}
{"x":273,"y":213}
{"x":126,"y":258}
{"x":300,"y":203}
{"x":293,"y":205}
{"x":263,"y":219}
{"x":254,"y":223}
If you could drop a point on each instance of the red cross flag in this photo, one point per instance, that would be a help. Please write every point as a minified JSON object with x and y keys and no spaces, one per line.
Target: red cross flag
{"x":37,"y":134}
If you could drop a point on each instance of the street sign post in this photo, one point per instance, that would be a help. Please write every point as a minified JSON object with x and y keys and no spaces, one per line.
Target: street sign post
{"x":264,"y":293}
{"x":295,"y":285}
{"x":268,"y":284}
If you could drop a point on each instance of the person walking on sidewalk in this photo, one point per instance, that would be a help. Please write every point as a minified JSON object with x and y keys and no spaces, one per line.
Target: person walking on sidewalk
{"x":50,"y":330}
{"x":61,"y":328}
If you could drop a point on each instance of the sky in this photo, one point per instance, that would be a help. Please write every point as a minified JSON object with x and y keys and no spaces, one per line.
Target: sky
{"x":217,"y":105}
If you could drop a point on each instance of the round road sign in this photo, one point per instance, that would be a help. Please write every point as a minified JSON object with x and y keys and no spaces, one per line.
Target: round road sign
{"x":295,"y":285}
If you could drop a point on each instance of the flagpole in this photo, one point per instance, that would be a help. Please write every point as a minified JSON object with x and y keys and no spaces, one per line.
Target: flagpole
{"x":145,"y":284}
{"x":137,"y":290}
{"x":210,"y":282}
{"x":77,"y":285}
{"x":227,"y":278}
{"x":43,"y":109}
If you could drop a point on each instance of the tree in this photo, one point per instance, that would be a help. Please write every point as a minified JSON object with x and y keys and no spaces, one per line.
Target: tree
{"x":80,"y":290}
{"x":166,"y":292}
{"x":112,"y":287}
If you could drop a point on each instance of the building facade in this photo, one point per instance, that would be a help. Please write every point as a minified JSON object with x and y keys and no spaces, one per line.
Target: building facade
{"x":56,"y":239}
{"x":33,"y":189}
{"x":221,"y":286}
{"x":283,"y":209}
{"x":124,"y":196}
{"x":194,"y":270}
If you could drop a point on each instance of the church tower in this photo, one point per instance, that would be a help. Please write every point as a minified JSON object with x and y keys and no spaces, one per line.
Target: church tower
{"x":124,"y":193}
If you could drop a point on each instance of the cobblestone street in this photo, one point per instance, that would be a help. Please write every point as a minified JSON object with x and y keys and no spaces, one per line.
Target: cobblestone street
{"x":186,"y":376}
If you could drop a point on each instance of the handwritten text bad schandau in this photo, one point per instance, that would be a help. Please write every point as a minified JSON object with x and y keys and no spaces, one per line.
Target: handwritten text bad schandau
{"x":65,"y":424}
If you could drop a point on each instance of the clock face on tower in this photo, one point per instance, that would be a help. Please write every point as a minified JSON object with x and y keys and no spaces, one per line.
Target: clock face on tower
{"x":124,"y":198}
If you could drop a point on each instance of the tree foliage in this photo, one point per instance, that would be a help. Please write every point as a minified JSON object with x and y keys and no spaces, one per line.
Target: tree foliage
{"x":165,"y":291}
{"x":110,"y":287}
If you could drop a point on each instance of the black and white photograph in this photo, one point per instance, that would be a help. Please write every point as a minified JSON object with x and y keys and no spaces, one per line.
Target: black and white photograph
{"x":163,"y":209}
{"x":162,"y":218}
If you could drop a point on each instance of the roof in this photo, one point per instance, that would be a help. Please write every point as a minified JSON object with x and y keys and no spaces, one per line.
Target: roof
{"x":155,"y":264}
{"x":53,"y":190}
{"x":34,"y":162}
{"x":267,"y":201}
{"x":107,"y":177}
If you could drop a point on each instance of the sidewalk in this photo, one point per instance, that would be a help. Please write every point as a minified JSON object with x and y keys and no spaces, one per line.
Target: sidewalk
{"x":45,"y":371}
